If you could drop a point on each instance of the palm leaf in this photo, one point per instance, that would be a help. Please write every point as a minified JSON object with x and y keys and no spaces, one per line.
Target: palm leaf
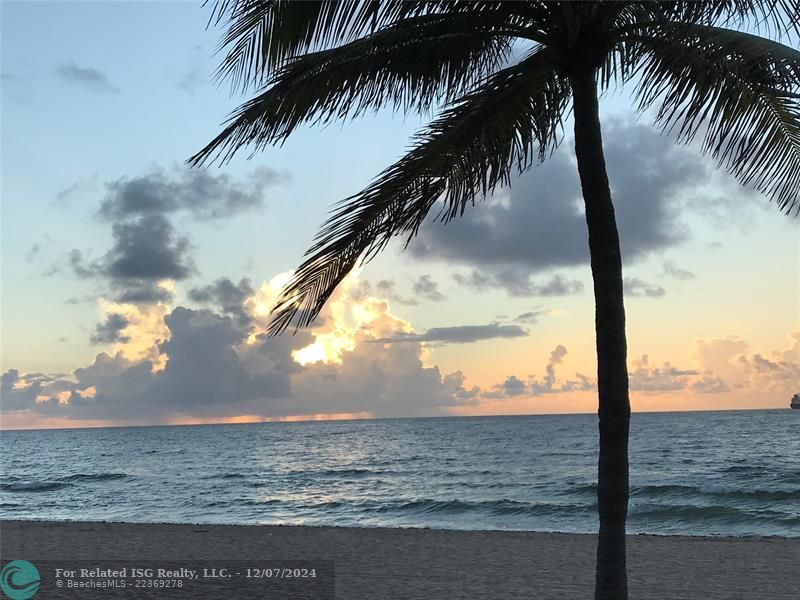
{"x":738,"y":91}
{"x":510,"y":121}
{"x":773,"y":17}
{"x":262,"y":35}
{"x":413,"y":64}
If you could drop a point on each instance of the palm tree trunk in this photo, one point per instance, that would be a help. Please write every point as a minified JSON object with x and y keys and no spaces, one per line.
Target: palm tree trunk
{"x":611,"y":581}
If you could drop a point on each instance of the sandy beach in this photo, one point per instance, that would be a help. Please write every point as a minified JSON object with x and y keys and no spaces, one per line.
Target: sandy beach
{"x":425,"y":563}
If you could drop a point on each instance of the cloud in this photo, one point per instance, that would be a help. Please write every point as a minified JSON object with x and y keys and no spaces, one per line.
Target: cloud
{"x":147,"y":249}
{"x":32,"y":252}
{"x":556,"y":356}
{"x":226,"y":295}
{"x":110,"y":330}
{"x":196,"y":75}
{"x":87,"y":77}
{"x":143,"y":292}
{"x":673,"y":270}
{"x":710,"y":384}
{"x":779,"y":372}
{"x":386,"y":289}
{"x":634,"y":286}
{"x":194,"y":79}
{"x":148,"y":255}
{"x":424,"y":287}
{"x":518,"y":284}
{"x":17,"y":393}
{"x":196,"y":192}
{"x":462,"y":334}
{"x":211,"y":367}
{"x":531,"y":317}
{"x":644,"y":378}
{"x":427,"y":289}
{"x":538,"y":223}
{"x":146,"y":252}
{"x":84,"y":185}
{"x":514,"y":386}
{"x":716,"y":355}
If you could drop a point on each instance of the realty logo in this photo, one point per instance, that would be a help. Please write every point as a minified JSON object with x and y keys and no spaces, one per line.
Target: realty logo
{"x":19,"y":580}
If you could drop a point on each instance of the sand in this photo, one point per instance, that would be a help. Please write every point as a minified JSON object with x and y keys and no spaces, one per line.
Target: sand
{"x":435,"y":564}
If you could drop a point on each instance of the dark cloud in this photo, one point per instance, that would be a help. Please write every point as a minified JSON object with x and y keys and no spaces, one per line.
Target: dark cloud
{"x":79,"y":266}
{"x":204,"y":367}
{"x":427,"y":289}
{"x":463,"y":334}
{"x":199,"y":193}
{"x":538,"y":223}
{"x":110,"y":330}
{"x":634,"y":286}
{"x":14,"y":396}
{"x":512,"y":386}
{"x":531,"y":317}
{"x":142,"y":292}
{"x":87,"y":77}
{"x":145,"y":251}
{"x":226,"y":295}
{"x":674,"y":271}
{"x":519,"y":284}
{"x":31,"y":391}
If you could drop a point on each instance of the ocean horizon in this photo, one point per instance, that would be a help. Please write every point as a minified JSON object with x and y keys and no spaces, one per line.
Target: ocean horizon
{"x":718,"y":473}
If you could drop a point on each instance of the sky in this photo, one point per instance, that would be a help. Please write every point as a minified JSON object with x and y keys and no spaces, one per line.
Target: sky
{"x":136,"y":291}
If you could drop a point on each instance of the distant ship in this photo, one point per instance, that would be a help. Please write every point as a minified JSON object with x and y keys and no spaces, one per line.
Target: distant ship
{"x":795,"y":401}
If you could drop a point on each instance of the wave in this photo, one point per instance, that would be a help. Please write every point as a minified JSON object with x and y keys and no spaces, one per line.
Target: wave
{"x":94,"y":477}
{"x":757,"y":494}
{"x":33,"y":486}
{"x":716,"y":513}
{"x":17,"y":484}
{"x":354,"y":472}
{"x":490,"y":507}
{"x":226,"y":476}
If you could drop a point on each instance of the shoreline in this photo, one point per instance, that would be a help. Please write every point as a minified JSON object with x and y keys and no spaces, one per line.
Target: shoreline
{"x":438,"y":563}
{"x":629,"y":535}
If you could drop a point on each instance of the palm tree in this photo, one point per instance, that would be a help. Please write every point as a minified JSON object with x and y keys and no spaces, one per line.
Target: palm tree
{"x":503,"y":76}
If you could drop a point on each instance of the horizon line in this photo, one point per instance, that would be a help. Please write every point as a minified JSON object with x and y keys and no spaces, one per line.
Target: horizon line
{"x":284,"y":420}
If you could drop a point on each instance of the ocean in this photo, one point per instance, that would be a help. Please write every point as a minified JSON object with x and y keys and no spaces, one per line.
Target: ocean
{"x":703,"y":473}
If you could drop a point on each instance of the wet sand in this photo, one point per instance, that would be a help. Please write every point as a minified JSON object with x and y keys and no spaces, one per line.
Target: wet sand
{"x":436,"y":564}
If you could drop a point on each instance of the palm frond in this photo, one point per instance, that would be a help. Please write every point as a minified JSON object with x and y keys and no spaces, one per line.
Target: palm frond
{"x":772,"y":17}
{"x":413,"y":64}
{"x":262,"y":35}
{"x":511,"y":120}
{"x":736,"y":90}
